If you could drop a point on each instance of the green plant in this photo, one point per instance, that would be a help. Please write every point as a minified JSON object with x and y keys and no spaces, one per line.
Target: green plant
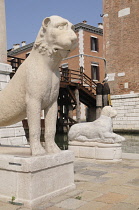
{"x":13,"y":199}
{"x":78,"y":197}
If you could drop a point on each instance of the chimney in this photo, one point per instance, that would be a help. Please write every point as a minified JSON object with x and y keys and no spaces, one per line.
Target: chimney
{"x":16,"y":46}
{"x":84,"y":21}
{"x":100,"y":25}
{"x":23,"y":43}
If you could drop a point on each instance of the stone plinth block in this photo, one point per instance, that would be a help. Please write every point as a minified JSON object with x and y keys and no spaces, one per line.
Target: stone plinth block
{"x":96,"y":150}
{"x":5,"y":69}
{"x":33,"y":180}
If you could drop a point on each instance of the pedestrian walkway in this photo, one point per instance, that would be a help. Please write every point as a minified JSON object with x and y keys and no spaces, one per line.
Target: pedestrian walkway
{"x":99,"y":186}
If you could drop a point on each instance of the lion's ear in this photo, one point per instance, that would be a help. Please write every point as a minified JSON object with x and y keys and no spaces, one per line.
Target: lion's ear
{"x":45,"y":22}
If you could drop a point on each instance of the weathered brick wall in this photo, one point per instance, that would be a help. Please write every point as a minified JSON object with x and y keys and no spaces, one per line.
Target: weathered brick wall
{"x":74,"y":62}
{"x":121,"y":44}
{"x":99,"y":54}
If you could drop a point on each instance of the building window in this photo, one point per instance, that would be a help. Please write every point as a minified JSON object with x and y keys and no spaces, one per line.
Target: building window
{"x":94,"y":44}
{"x":95,"y":71}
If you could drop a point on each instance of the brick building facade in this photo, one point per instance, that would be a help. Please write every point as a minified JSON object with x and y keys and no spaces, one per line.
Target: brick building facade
{"x":121,"y":48}
{"x":88,"y":54}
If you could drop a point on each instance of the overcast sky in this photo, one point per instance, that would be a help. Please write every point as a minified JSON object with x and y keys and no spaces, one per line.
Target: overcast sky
{"x":24,"y":17}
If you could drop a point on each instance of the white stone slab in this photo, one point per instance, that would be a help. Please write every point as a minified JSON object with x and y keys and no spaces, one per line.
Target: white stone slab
{"x":121,"y":74}
{"x":111,"y":76}
{"x":5,"y":68}
{"x":3,"y":78}
{"x":124,"y":12}
{"x":130,"y":156}
{"x":96,"y":151}
{"x":3,"y":85}
{"x":33,"y":180}
{"x":17,"y":141}
{"x":127,"y":107}
{"x":126,"y":85}
{"x":125,"y":96}
{"x":19,"y":131}
{"x":7,"y":132}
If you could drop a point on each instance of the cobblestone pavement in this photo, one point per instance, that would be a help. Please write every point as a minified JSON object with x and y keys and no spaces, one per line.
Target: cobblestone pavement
{"x":99,"y":186}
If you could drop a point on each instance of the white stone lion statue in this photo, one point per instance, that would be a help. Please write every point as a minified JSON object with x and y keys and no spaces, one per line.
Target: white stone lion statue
{"x":99,"y":130}
{"x":35,"y":86}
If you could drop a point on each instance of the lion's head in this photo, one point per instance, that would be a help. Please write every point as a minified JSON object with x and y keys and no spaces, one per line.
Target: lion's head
{"x":109,"y":111}
{"x":56,"y":36}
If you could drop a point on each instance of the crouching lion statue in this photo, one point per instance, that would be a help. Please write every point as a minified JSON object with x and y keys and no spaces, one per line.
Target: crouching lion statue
{"x":98,"y":131}
{"x":35,"y":86}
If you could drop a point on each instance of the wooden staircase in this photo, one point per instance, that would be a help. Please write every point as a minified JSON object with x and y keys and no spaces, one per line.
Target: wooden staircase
{"x":76,"y":79}
{"x":75,"y":87}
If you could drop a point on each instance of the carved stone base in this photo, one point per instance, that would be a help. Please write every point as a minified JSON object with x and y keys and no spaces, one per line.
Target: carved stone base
{"x":33,"y":180}
{"x":96,"y":151}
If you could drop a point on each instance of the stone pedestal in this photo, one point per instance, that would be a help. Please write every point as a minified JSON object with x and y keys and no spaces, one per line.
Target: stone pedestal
{"x":5,"y":70}
{"x":96,"y":151}
{"x":14,"y":134}
{"x":33,"y":180}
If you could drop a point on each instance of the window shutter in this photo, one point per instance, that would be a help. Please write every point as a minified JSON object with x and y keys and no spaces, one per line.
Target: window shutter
{"x":92,"y":73}
{"x":98,"y":74}
{"x":97,"y":45}
{"x":91,"y":43}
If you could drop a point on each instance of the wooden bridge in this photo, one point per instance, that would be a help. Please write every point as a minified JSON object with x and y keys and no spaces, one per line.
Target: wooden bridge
{"x":75,"y":87}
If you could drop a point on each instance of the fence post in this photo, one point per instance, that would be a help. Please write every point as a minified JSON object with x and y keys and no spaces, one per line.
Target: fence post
{"x":99,"y":103}
{"x":81,"y":74}
{"x":91,"y":84}
{"x":106,"y":93}
{"x":78,"y":114}
{"x":69,"y":75}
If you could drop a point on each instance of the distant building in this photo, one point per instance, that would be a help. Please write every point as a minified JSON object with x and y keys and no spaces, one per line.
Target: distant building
{"x":88,"y":54}
{"x":121,"y":49}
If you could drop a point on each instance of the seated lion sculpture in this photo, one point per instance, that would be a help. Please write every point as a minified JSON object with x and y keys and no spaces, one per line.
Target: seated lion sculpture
{"x":35,"y":86}
{"x":99,"y":130}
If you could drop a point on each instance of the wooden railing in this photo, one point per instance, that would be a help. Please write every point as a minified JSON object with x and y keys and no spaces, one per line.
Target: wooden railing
{"x":67,"y":75}
{"x":15,"y":62}
{"x":77,"y":76}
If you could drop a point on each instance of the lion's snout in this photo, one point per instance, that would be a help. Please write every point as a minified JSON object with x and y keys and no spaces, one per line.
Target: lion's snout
{"x":73,"y":37}
{"x":73,"y":40}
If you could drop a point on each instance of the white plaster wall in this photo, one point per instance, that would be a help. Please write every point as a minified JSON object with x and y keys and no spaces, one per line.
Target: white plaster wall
{"x":81,"y":48}
{"x":127,"y":107}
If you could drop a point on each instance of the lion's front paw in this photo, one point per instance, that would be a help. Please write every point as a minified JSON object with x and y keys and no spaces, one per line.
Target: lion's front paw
{"x":52,"y":148}
{"x":119,"y":139}
{"x":38,"y":150}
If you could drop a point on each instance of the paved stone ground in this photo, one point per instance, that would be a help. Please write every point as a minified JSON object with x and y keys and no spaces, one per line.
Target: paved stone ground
{"x":99,"y":186}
